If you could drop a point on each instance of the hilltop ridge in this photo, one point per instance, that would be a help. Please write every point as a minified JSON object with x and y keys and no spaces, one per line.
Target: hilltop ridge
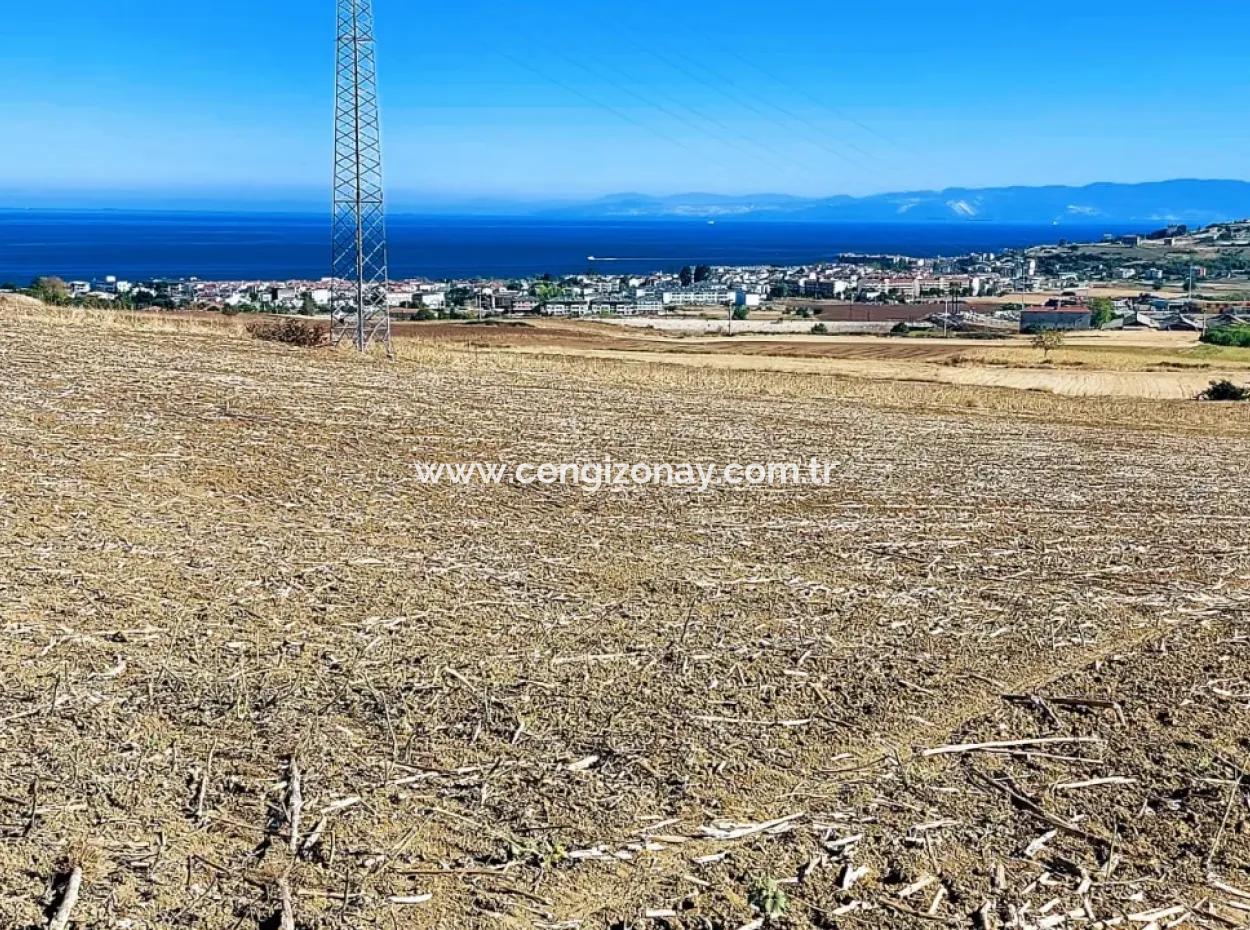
{"x":1176,"y":201}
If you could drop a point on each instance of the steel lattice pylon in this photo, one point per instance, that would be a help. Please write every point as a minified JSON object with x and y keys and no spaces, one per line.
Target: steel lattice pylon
{"x":359,"y":311}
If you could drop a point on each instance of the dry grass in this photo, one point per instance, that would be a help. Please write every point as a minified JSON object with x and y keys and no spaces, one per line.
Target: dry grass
{"x":1113,"y":365}
{"x":1110,"y":356}
{"x":545,"y":707}
{"x":17,"y":308}
{"x":962,"y":383}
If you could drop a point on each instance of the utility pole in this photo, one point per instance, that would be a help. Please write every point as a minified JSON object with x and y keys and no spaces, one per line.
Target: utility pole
{"x":1192,"y":306}
{"x":358,"y":308}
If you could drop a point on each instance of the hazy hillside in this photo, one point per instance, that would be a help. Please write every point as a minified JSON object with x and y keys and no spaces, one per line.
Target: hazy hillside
{"x":1185,"y":201}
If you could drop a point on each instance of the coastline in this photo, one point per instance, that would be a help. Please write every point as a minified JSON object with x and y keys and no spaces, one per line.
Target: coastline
{"x":291,"y":246}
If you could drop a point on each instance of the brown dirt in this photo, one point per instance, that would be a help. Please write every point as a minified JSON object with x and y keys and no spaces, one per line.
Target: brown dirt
{"x":1166,"y":384}
{"x":1147,"y":365}
{"x":541,"y":702}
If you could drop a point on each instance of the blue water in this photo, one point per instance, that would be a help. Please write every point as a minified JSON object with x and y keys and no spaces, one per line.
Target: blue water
{"x":225,"y":246}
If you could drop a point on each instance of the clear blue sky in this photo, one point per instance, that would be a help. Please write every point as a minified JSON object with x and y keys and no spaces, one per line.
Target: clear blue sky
{"x":160,"y":99}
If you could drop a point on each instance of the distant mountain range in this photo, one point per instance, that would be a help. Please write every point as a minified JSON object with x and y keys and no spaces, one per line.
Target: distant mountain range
{"x":1181,"y":201}
{"x":1127,"y":206}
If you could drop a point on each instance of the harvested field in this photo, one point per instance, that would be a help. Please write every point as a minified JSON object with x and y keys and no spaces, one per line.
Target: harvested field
{"x":1170,"y":366}
{"x":952,"y":368}
{"x":256,"y":674}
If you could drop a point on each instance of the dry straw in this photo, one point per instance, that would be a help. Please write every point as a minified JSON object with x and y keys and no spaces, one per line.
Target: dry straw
{"x":259,"y":676}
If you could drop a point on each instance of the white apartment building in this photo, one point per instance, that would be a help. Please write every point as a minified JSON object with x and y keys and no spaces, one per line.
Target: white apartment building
{"x":700,"y":295}
{"x":567,"y":308}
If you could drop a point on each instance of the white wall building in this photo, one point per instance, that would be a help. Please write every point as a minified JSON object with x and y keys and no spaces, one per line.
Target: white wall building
{"x":567,"y":308}
{"x":700,"y":295}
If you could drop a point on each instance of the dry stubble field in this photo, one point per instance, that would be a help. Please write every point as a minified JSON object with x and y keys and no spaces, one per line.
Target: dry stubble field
{"x":255,"y":675}
{"x":1145,"y":364}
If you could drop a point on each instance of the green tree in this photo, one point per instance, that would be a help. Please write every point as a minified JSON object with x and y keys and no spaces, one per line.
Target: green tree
{"x":459,"y":296}
{"x":51,"y":290}
{"x":687,"y":276}
{"x":308,"y":307}
{"x":702,"y":273}
{"x":547,"y":291}
{"x":741,"y":313}
{"x":1233,"y":336}
{"x":1101,"y":311}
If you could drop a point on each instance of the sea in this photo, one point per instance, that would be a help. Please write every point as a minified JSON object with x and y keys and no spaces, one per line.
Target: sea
{"x":137,"y":246}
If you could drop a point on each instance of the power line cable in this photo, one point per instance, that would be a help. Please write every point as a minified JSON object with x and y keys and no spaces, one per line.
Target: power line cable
{"x":727,"y":136}
{"x":598,"y":104}
{"x":722,"y":85}
{"x":836,"y":112}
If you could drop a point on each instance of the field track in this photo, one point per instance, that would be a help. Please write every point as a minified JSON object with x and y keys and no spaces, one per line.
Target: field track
{"x":542,"y":707}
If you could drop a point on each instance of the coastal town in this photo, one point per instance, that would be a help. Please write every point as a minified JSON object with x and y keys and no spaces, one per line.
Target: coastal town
{"x":1171,"y":278}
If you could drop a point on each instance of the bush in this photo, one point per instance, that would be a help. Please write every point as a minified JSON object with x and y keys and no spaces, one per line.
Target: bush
{"x":1234,"y":336}
{"x":900,"y":329}
{"x":1101,"y":312}
{"x":1048,"y":340}
{"x":820,"y":329}
{"x":51,"y":290}
{"x":292,"y":332}
{"x":1225,"y":390}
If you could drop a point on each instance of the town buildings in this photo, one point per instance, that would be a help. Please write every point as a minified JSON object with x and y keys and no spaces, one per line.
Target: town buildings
{"x":857,"y":286}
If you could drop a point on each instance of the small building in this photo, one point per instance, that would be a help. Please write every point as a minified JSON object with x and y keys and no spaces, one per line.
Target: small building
{"x":614,"y":307}
{"x":523,"y":304}
{"x":822,"y":290}
{"x":1062,"y":318}
{"x":701,"y":295}
{"x":567,"y":308}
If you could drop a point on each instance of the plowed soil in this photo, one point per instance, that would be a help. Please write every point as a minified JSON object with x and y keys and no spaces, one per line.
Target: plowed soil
{"x":253,"y":673}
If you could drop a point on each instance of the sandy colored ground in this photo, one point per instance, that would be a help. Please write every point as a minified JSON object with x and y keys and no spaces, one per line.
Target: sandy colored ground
{"x":1134,"y":363}
{"x":1109,"y":364}
{"x":516,"y":706}
{"x":1164,"y":385}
